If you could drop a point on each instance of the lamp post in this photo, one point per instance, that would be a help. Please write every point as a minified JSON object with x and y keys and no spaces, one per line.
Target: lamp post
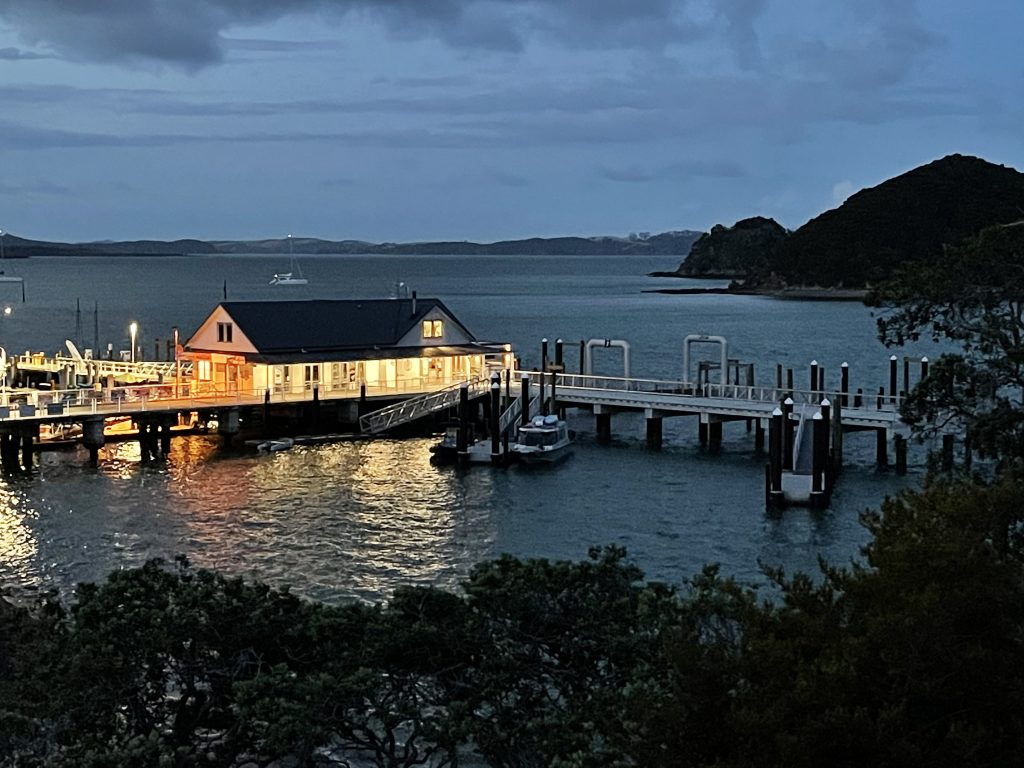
{"x":133,"y":328}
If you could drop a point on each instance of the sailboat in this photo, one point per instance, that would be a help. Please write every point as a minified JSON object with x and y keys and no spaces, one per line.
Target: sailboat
{"x":294,"y":274}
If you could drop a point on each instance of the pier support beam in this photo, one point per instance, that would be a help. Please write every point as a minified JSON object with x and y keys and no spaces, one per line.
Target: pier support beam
{"x":774,"y":498}
{"x":654,"y":431}
{"x":229,"y":423}
{"x":714,"y":436}
{"x":881,"y":448}
{"x":702,"y":432}
{"x":29,"y":435}
{"x":92,"y":437}
{"x":900,"y":446}
{"x":603,"y":426}
{"x":758,"y":436}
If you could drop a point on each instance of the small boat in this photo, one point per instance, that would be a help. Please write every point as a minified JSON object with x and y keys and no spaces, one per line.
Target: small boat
{"x":294,"y":274}
{"x":280,"y":444}
{"x":545,"y":440}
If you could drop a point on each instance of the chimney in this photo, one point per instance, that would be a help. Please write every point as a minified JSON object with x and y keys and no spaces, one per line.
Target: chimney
{"x":414,"y":303}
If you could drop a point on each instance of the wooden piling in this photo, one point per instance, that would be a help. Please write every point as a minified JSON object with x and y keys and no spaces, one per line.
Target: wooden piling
{"x":787,"y":433}
{"x":758,"y":436}
{"x":814,"y":376}
{"x":900,"y":446}
{"x":603,"y":427}
{"x":819,"y":447}
{"x":881,"y":448}
{"x":924,"y":368}
{"x":714,"y":436}
{"x":462,"y":438}
{"x":654,"y":432}
{"x":495,"y":419}
{"x":844,"y":383}
{"x":775,"y":449}
{"x":892,"y":379}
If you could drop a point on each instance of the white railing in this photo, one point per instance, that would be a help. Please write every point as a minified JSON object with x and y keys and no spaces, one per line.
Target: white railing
{"x":417,"y":407}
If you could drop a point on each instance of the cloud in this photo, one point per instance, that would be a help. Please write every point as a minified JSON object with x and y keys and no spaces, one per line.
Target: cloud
{"x":192,"y":33}
{"x":15,"y":54}
{"x":674,"y":171}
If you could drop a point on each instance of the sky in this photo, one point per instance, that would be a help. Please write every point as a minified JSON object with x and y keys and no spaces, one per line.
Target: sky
{"x":406,"y":120}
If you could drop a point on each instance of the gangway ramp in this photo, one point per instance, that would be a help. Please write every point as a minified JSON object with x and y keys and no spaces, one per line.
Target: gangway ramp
{"x":392,"y":416}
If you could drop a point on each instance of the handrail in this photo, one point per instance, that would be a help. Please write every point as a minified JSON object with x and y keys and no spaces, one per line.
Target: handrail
{"x":416,"y":407}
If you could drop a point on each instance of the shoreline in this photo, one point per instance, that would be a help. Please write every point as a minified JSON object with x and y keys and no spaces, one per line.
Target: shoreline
{"x":794,"y":294}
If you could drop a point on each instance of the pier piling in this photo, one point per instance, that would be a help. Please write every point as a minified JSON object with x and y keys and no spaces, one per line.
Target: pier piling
{"x":844,"y":383}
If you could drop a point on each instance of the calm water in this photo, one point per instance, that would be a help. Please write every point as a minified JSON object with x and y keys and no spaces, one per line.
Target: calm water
{"x":359,"y":518}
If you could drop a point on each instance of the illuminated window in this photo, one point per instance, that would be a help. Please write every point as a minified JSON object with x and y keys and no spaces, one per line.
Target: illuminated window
{"x":204,"y":370}
{"x":224,"y":331}
{"x":433,"y":329}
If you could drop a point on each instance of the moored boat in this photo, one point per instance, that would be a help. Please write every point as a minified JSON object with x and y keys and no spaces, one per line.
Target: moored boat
{"x":545,"y":440}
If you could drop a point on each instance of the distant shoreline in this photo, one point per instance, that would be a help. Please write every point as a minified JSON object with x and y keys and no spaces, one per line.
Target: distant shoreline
{"x":794,"y":294}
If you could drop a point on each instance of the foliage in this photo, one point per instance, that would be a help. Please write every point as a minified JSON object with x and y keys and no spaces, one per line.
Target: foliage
{"x":909,"y":658}
{"x":749,"y":246}
{"x":973,"y":297}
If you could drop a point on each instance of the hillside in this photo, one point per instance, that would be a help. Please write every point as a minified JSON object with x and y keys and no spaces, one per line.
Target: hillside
{"x":910,"y":216}
{"x":664,"y":244}
{"x":749,"y":246}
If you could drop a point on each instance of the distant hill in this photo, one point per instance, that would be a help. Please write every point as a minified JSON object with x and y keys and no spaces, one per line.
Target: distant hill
{"x":748,"y":247}
{"x":910,"y":216}
{"x":664,"y":244}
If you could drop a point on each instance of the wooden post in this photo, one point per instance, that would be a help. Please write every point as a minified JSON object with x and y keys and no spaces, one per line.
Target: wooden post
{"x":821,"y":379}
{"x":826,"y":417}
{"x":844,"y":383}
{"x":778,"y":376}
{"x":881,"y":448}
{"x":819,"y":437}
{"x":892,"y":379}
{"x":787,"y":433}
{"x":758,"y":436}
{"x":654,"y":432}
{"x":462,"y":439}
{"x":924,"y":368}
{"x":906,"y":379}
{"x":775,"y":447}
{"x":495,"y":419}
{"x":714,"y":436}
{"x":524,"y":394}
{"x":543,"y":356}
{"x":858,"y":399}
{"x":900,"y":445}
{"x":789,"y":380}
{"x":881,"y":398}
{"x":702,"y":432}
{"x":558,"y":354}
{"x":583,"y":355}
{"x":266,"y":412}
{"x":603,"y":426}
{"x":814,"y":376}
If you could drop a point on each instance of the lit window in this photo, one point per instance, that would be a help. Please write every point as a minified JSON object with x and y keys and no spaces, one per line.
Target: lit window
{"x":204,"y":370}
{"x":224,"y":332}
{"x":433,"y":329}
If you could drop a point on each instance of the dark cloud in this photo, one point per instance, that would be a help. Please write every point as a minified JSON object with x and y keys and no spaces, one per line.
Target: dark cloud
{"x":189,"y":33}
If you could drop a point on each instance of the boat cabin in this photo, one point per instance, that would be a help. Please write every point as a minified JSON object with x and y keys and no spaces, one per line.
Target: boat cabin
{"x":388,"y":346}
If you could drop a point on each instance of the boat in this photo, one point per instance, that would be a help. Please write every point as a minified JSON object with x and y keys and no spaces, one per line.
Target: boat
{"x":279,"y":444}
{"x":544,"y":440}
{"x":294,"y":274}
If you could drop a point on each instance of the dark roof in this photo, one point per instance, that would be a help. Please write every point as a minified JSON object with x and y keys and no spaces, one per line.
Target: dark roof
{"x":327,"y":325}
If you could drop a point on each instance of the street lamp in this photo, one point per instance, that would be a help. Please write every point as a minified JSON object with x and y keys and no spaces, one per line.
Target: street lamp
{"x":133,"y":328}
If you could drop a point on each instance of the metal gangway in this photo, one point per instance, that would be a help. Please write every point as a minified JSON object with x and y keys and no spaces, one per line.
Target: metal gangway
{"x":414,"y":408}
